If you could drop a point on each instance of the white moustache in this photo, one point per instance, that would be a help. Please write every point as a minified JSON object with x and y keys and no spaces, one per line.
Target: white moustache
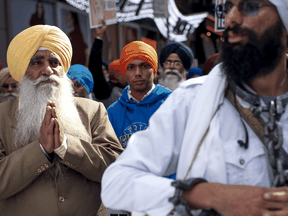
{"x":174,"y":72}
{"x":9,"y":94}
{"x":46,"y":78}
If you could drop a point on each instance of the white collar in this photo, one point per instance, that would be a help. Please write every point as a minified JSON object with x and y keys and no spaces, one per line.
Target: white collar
{"x":134,"y":99}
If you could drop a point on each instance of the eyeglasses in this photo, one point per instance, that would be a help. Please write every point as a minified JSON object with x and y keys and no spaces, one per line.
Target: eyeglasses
{"x":247,"y":8}
{"x":175,"y":63}
{"x":13,"y":86}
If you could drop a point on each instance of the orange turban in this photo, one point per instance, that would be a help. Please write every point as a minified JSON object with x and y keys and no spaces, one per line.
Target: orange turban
{"x":27,"y":42}
{"x":115,"y":64}
{"x":138,"y":50}
{"x":113,"y":69}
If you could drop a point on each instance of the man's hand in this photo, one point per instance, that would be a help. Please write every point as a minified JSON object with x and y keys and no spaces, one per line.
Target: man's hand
{"x":58,"y":132}
{"x":279,"y":198}
{"x":51,"y":134}
{"x":47,"y":129}
{"x":99,"y":31}
{"x":236,"y":200}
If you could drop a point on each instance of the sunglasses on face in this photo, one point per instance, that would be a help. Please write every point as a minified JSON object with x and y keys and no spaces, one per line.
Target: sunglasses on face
{"x":13,"y":86}
{"x":247,"y":8}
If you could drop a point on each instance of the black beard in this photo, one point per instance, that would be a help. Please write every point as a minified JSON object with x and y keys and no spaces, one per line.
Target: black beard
{"x":259,"y":57}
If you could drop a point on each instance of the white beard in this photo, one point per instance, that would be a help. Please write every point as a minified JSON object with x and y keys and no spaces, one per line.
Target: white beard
{"x":32,"y":108}
{"x":172,"y":81}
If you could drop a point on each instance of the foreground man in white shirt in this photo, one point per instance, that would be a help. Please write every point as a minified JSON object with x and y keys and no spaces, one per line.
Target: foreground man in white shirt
{"x":198,"y":133}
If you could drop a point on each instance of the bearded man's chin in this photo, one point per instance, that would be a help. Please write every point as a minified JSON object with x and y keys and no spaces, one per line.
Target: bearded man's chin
{"x":258,"y":57}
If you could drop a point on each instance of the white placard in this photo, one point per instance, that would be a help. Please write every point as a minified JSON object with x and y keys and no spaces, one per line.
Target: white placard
{"x":102,"y":9}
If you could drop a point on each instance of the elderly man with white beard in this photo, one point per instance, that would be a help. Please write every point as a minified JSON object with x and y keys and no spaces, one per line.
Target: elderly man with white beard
{"x":8,"y":86}
{"x":175,"y":59}
{"x":54,"y":148}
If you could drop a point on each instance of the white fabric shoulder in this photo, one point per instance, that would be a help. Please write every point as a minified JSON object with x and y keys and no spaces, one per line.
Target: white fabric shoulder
{"x":192,"y":82}
{"x":209,"y":97}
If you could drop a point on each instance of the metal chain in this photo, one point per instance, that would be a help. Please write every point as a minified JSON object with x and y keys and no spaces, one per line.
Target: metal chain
{"x":274,"y":143}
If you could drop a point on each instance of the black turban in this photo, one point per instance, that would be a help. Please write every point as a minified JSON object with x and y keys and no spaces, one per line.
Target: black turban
{"x":183,"y":51}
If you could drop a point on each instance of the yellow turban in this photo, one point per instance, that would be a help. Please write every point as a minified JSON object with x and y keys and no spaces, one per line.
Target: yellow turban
{"x":27,"y":42}
{"x":138,"y":50}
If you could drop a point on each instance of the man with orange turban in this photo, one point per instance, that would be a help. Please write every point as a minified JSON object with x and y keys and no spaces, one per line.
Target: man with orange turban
{"x":54,"y":148}
{"x":141,"y":98}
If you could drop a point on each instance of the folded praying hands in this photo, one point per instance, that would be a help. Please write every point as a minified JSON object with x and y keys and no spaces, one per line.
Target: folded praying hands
{"x":51,"y":134}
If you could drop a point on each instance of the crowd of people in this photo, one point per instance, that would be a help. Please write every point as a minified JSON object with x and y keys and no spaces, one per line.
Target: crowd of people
{"x":77,"y":140}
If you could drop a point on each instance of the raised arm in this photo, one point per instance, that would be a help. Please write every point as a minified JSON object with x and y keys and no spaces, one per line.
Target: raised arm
{"x":101,"y":88}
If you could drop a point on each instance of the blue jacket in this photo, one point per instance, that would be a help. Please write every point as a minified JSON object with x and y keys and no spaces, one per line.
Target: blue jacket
{"x":128,"y":117}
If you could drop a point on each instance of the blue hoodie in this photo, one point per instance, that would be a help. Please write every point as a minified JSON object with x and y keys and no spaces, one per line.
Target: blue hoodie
{"x":128,"y":117}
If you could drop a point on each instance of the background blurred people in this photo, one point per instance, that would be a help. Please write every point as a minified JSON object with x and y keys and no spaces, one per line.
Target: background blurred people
{"x":8,"y":85}
{"x":105,"y":70}
{"x":80,"y":49}
{"x":82,"y":79}
{"x":105,"y":92}
{"x":210,"y":63}
{"x":115,"y":76}
{"x":38,"y":17}
{"x":194,"y":72}
{"x":175,"y":59}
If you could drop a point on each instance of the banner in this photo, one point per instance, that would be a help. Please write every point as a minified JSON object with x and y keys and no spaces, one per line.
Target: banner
{"x":102,"y":9}
{"x":219,"y":15}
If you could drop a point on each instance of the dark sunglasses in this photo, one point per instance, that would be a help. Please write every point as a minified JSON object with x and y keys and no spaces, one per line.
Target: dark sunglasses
{"x":247,"y":8}
{"x":5,"y":85}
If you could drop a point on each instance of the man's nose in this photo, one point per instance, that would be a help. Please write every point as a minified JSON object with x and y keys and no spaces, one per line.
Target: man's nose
{"x":172,"y":65}
{"x":47,"y":70}
{"x":138,"y":71}
{"x":233,"y":17}
{"x":10,"y":89}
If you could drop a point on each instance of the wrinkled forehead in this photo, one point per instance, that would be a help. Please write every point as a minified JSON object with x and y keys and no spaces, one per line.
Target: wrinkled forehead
{"x":9,"y":80}
{"x":173,"y":56}
{"x":137,"y":61}
{"x":41,"y":54}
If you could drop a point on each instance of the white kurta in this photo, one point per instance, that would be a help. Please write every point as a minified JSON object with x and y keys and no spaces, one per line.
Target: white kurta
{"x":135,"y":183}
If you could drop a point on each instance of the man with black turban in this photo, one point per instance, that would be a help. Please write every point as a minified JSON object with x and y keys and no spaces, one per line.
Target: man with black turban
{"x":54,"y":147}
{"x":176,"y":60}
